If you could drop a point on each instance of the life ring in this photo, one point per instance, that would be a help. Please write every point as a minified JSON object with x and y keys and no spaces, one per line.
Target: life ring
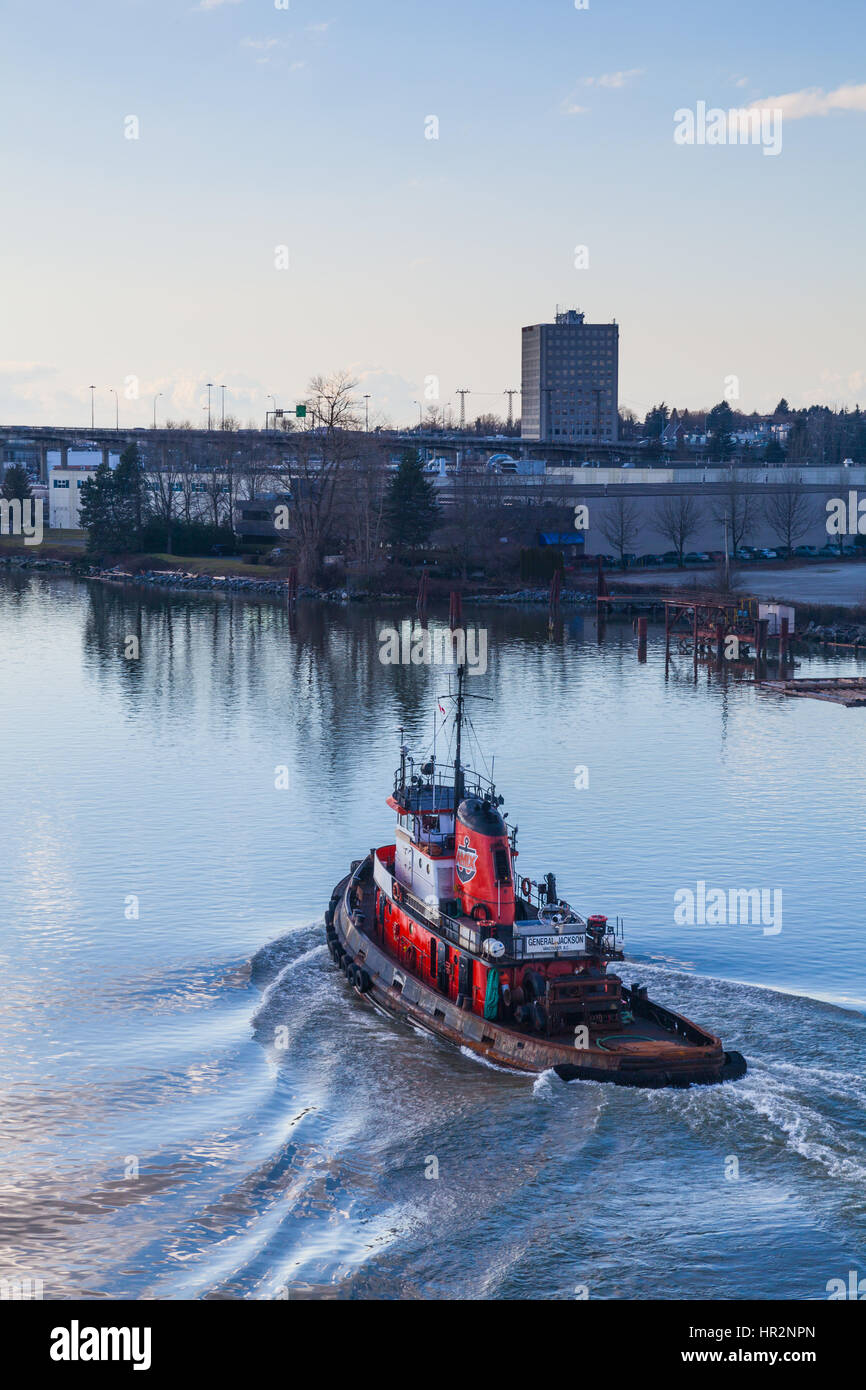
{"x":481,"y":913}
{"x":526,"y":887}
{"x":398,"y":892}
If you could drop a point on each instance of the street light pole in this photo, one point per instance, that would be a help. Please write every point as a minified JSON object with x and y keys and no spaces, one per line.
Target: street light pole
{"x":209,"y":385}
{"x":366,"y":413}
{"x":155,"y":399}
{"x":116,"y":407}
{"x":92,"y":389}
{"x":272,"y":412}
{"x":223,"y":420}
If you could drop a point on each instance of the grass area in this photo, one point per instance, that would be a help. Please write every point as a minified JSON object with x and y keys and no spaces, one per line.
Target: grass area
{"x":210,"y":564}
{"x":55,"y":545}
{"x":56,"y":538}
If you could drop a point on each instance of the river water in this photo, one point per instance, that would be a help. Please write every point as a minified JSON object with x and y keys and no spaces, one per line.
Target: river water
{"x":194,"y":1105}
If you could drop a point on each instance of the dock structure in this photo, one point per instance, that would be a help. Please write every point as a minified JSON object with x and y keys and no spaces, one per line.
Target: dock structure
{"x":718,"y":624}
{"x":842,"y":690}
{"x":726,"y":626}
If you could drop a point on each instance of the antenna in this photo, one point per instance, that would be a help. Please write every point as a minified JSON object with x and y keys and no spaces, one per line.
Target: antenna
{"x":463,"y":392}
{"x":458,"y":770}
{"x":459,"y":699}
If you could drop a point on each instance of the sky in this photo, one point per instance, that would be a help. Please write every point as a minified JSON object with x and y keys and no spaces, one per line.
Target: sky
{"x":235,"y":192}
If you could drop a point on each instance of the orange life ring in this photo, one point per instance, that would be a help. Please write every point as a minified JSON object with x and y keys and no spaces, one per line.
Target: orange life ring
{"x":525,"y":887}
{"x":481,"y":913}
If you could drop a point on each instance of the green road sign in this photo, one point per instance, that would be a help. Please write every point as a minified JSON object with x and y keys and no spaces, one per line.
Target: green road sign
{"x":301,"y":411}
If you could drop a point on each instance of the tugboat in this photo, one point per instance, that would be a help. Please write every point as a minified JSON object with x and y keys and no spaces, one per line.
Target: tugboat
{"x":437,"y":928}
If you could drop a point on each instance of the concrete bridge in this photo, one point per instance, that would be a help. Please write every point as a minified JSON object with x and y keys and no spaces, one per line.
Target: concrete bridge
{"x":31,"y":444}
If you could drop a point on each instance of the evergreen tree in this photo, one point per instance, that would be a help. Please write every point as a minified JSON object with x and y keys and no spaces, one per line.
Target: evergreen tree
{"x":719,"y":423}
{"x":129,"y":505}
{"x":16,"y":483}
{"x":97,"y":510}
{"x":411,"y":508}
{"x":655,"y":421}
{"x":112,"y":504}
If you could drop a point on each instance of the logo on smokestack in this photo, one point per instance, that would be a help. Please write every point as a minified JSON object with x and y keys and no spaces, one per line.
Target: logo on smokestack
{"x":465,"y":861}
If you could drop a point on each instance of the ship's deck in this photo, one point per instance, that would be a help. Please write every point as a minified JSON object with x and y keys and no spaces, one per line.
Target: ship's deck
{"x":644,"y":1034}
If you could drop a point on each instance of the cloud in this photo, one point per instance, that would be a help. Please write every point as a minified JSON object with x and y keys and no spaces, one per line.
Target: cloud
{"x":214,"y":4}
{"x":26,"y":369}
{"x":261,"y":45}
{"x":613,"y":80}
{"x":814,"y":101}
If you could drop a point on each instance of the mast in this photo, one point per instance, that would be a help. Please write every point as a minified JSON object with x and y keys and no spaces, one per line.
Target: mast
{"x":458,"y":770}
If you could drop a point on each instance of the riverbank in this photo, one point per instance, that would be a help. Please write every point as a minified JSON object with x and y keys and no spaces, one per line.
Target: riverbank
{"x":821,"y":614}
{"x":278,"y":587}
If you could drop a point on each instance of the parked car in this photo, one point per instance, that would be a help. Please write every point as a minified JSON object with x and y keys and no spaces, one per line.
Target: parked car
{"x":767,"y":554}
{"x":670,"y":557}
{"x":746,"y":552}
{"x":647,"y":560}
{"x":830,"y":549}
{"x":805,"y":550}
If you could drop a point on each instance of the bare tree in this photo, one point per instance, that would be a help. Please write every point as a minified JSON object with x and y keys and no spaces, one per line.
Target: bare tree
{"x":259,"y":470}
{"x":361,"y":503}
{"x":677,"y":518}
{"x":323,"y":455}
{"x":737,"y":508}
{"x":164,"y":487}
{"x":213,"y":483}
{"x":620,"y":526}
{"x":790,"y":512}
{"x":476,"y":514}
